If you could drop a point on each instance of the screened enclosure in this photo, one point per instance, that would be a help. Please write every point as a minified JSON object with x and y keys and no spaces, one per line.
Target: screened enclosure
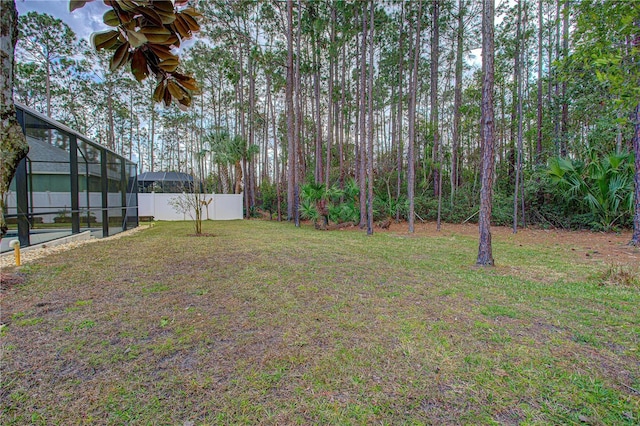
{"x":172,"y":182}
{"x":68,"y":185}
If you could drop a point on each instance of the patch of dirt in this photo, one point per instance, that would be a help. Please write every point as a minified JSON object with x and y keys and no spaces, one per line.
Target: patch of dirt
{"x":8,"y":280}
{"x":607,"y":247}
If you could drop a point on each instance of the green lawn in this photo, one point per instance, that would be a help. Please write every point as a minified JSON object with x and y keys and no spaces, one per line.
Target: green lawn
{"x":266,"y":323}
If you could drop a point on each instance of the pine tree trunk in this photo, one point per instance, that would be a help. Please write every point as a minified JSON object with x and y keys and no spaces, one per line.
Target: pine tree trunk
{"x":111,"y":138}
{"x":291,"y":150}
{"x":299,"y":160}
{"x":457,"y":102}
{"x":435,"y":56}
{"x":635,"y":239}
{"x":413,"y":89}
{"x":564,"y":132}
{"x":485,"y":255}
{"x":252,"y":135}
{"x":371,"y":124}
{"x":539,"y":157}
{"x":400,"y":149}
{"x":330,"y":112}
{"x":13,"y":144}
{"x":519,"y":113}
{"x":318,"y":117}
{"x":341,"y":130}
{"x":565,"y":105}
{"x":363,"y":121}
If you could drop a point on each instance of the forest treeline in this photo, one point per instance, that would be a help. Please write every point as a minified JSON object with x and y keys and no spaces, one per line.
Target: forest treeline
{"x":309,"y":106}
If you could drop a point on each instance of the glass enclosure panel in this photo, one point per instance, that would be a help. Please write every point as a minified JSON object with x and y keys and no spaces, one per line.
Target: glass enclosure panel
{"x":131,"y":176}
{"x":89,"y":186}
{"x":48,"y":184}
{"x":11,"y":210}
{"x":45,"y":194}
{"x":116,"y":190}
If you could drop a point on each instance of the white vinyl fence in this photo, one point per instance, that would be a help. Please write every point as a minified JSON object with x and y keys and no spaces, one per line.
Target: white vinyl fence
{"x":222,"y":207}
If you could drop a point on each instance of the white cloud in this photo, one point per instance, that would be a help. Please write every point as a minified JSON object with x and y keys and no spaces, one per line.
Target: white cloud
{"x":83,"y":21}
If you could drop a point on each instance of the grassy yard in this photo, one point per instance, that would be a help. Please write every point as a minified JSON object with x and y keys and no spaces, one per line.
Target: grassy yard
{"x":265,"y":323}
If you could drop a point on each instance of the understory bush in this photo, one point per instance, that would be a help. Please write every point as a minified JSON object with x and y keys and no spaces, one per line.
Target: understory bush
{"x":593,"y":194}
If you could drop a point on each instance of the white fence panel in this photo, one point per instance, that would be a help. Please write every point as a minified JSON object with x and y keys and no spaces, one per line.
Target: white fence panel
{"x":158,"y":205}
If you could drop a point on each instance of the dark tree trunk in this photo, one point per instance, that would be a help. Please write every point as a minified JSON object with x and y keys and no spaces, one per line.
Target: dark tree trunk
{"x":330,"y":112}
{"x":485,"y":255}
{"x":556,"y":121}
{"x":635,"y":239}
{"x":343,"y":90}
{"x":291,"y":149}
{"x":400,"y":149}
{"x":457,"y":102}
{"x":564,"y":128}
{"x":435,"y":56}
{"x":152,"y":134}
{"x":363,"y":120}
{"x":251,"y":169}
{"x":371,"y":124}
{"x":315,"y":45}
{"x":519,"y":113}
{"x":298,"y":124}
{"x":539,"y":156}
{"x":413,"y":89}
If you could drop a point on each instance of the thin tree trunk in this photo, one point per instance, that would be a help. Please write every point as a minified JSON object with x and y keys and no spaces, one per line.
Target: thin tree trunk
{"x":457,"y":102}
{"x":485,"y":255}
{"x":330,"y":112}
{"x":111,"y":143}
{"x":252,"y":134}
{"x":371,"y":124}
{"x":635,"y":238}
{"x":298,"y":123}
{"x":341,"y":131}
{"x":276,"y":161}
{"x":130,"y":122}
{"x":539,"y":156}
{"x":291,"y":149}
{"x":435,"y":56}
{"x":363,"y":120}
{"x":152,"y":136}
{"x":519,"y":113}
{"x":556,"y":122}
{"x":400,"y":150}
{"x":411,"y":172}
{"x":564,"y":135}
{"x":318,"y":124}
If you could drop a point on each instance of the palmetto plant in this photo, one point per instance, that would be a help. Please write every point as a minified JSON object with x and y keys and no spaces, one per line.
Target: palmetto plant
{"x":600,"y":186}
{"x":334,"y":204}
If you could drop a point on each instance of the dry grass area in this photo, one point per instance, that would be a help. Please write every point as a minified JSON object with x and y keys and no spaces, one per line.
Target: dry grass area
{"x":265,"y":323}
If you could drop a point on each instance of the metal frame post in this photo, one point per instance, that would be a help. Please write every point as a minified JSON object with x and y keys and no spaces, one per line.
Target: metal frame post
{"x":105,"y":192}
{"x":73,"y":174}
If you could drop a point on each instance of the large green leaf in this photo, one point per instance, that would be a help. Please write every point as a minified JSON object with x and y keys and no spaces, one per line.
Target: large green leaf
{"x":136,"y":38}
{"x":104,"y":39}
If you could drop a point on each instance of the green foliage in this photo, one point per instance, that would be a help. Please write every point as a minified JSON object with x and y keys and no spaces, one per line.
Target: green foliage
{"x":600,"y":186}
{"x":308,"y":210}
{"x":335,"y":204}
{"x":268,"y":197}
{"x":386,"y":206}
